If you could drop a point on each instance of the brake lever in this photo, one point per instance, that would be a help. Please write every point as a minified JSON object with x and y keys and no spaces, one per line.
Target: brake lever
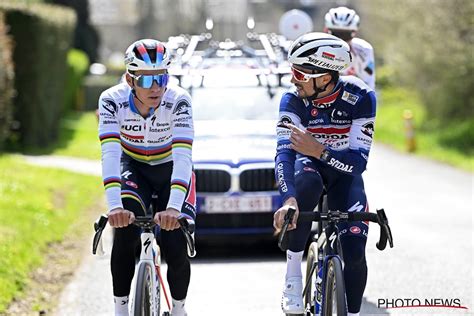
{"x":188,"y":231}
{"x":385,"y":231}
{"x":283,"y":236}
{"x":99,"y":226}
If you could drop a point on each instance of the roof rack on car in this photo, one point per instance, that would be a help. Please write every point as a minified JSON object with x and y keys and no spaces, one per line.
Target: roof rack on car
{"x":267,"y":52}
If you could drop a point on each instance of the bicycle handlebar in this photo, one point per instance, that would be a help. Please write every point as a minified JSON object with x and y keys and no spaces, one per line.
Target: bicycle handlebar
{"x":337,"y":216}
{"x":186,"y":226}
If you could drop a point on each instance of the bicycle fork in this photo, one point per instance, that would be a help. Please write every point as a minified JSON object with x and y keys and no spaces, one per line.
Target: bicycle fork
{"x":147,"y":256}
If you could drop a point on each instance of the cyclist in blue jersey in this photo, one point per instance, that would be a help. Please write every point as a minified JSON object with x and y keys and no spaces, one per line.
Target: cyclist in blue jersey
{"x":146,"y":132}
{"x":324,"y":133}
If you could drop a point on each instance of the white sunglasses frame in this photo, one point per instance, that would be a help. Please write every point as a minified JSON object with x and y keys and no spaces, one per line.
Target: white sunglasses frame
{"x":306,"y":76}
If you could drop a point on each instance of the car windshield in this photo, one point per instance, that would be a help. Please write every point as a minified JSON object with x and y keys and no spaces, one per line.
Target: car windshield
{"x":234,"y":104}
{"x":235,"y":96}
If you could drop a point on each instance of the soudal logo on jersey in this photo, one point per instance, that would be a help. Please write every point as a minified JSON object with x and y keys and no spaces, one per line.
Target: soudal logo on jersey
{"x":328,"y":56}
{"x":339,"y":165}
{"x":368,"y":129}
{"x":350,"y":98}
{"x":330,"y":136}
{"x":330,"y":132}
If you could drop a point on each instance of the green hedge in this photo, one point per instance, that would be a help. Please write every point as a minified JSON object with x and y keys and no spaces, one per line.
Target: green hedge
{"x":93,"y":86}
{"x":78,"y":64}
{"x":42,"y":36}
{"x":6,"y":82}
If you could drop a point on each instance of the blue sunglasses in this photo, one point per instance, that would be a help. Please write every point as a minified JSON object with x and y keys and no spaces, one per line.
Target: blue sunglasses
{"x":146,"y":81}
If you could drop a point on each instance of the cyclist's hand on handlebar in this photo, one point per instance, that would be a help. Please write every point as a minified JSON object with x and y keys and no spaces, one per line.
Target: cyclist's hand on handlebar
{"x":279,"y":216}
{"x":168,"y":219}
{"x":120,"y":217}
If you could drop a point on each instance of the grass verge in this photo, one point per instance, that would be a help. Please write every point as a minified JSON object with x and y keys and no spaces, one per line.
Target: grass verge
{"x":451,"y":143}
{"x":78,"y":137}
{"x":38,"y":208}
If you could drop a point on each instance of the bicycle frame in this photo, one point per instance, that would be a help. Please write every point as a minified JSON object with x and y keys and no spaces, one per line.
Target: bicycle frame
{"x":326,"y":251}
{"x":327,"y":247}
{"x":147,"y":258}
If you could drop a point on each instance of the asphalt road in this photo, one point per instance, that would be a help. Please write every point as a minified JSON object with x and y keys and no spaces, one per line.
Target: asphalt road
{"x":429,"y":206}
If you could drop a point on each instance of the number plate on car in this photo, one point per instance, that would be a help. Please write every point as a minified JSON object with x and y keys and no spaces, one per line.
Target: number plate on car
{"x":245,"y":204}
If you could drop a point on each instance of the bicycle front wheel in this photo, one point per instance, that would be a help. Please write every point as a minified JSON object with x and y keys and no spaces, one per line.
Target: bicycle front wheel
{"x":143,"y":303}
{"x":334,"y":290}
{"x":311,"y":270}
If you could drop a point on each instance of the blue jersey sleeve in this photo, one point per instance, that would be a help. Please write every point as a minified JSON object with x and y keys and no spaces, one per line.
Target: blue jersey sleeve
{"x":354,"y":159}
{"x":285,"y":156}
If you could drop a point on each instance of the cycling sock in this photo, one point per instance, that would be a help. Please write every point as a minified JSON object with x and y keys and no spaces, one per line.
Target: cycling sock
{"x":353,"y":314}
{"x":293,"y":264}
{"x":121,"y":305}
{"x":178,"y":304}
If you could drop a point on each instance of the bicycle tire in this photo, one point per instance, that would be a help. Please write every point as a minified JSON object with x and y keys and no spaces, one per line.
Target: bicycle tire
{"x":309,"y":298}
{"x":143,"y":292}
{"x":334,"y":291}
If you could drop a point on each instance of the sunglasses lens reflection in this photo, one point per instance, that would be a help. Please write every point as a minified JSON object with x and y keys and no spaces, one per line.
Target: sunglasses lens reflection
{"x":146,"y":81}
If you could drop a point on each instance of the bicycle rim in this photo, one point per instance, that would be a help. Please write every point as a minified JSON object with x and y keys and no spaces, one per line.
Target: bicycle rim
{"x":143,"y":292}
{"x":334,"y":291}
{"x":309,"y":295}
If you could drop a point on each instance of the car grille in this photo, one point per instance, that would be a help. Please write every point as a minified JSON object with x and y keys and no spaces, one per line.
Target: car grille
{"x":212,"y":180}
{"x":253,"y":180}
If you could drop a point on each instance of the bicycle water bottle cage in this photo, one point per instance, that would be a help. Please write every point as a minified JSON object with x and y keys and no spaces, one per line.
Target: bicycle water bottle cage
{"x":99,"y":227}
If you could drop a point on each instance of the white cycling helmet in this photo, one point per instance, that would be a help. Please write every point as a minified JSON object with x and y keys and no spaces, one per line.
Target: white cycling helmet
{"x":320,"y":52}
{"x":147,"y":54}
{"x":342,"y":18}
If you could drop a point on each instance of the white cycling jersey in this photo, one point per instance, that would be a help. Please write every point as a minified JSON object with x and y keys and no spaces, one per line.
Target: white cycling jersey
{"x":165,"y":135}
{"x":363,"y":63}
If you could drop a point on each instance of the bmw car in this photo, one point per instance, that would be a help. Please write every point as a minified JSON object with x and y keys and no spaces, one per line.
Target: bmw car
{"x":235,"y":115}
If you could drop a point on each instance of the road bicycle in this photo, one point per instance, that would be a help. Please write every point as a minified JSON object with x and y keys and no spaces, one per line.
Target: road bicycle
{"x":324,"y":291}
{"x":148,"y":286}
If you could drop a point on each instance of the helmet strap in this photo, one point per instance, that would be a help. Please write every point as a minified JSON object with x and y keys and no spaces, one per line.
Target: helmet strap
{"x":317,"y":90}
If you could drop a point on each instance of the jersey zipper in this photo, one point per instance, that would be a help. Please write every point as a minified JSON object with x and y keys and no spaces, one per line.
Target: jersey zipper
{"x":146,"y":138}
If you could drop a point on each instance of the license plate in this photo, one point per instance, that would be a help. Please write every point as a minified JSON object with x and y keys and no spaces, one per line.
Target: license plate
{"x":234,"y":204}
